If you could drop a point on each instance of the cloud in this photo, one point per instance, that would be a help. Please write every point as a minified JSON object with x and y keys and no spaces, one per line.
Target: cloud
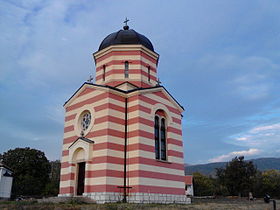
{"x":55,"y":113}
{"x":244,"y":138}
{"x":245,"y":77}
{"x":259,"y":134}
{"x":252,"y":86}
{"x":266,"y":128}
{"x":256,"y":78}
{"x":231,"y":155}
{"x":263,"y":137}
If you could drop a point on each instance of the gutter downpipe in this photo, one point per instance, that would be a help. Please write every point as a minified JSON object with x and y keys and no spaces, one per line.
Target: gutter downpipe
{"x":125,"y":154}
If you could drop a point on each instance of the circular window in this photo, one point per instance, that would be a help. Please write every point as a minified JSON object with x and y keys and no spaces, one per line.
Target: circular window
{"x":85,"y":120}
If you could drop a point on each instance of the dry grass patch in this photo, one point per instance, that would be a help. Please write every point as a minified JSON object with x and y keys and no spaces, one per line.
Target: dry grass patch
{"x":214,"y":204}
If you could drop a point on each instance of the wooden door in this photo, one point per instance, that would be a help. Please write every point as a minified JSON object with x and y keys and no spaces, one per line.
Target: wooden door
{"x":81,"y":178}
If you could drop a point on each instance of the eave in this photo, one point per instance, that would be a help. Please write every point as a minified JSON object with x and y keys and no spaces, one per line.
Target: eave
{"x":127,"y":93}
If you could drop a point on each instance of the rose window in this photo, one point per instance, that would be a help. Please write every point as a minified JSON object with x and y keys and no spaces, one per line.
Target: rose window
{"x":85,"y":121}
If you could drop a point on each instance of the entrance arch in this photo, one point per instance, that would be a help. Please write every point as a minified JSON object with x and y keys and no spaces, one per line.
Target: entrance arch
{"x":80,"y":182}
{"x":79,"y":160}
{"x":80,"y":153}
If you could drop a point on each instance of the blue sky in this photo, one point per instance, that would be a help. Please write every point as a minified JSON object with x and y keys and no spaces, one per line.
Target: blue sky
{"x":219,"y":59}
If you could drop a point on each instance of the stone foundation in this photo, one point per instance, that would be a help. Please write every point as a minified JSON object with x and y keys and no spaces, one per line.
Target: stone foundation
{"x":65,"y":195}
{"x":111,"y":197}
{"x":104,"y":197}
{"x":157,"y":198}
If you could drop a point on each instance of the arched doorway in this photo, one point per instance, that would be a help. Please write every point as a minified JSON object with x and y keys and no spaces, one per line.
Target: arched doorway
{"x":81,"y":178}
{"x":79,"y":159}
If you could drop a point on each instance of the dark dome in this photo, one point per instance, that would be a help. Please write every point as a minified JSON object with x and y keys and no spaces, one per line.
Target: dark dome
{"x":126,"y":36}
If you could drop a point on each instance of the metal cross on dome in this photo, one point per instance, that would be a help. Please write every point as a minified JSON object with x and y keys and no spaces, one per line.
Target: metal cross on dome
{"x":125,"y":21}
{"x":90,"y":79}
{"x":158,"y":82}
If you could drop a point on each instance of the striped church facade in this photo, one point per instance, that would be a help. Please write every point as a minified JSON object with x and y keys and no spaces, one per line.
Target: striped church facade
{"x":132,"y":146}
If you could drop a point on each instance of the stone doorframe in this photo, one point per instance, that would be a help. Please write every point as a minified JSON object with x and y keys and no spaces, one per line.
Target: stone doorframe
{"x":79,"y":151}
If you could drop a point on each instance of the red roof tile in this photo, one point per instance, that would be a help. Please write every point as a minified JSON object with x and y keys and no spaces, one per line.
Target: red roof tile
{"x":188,"y":179}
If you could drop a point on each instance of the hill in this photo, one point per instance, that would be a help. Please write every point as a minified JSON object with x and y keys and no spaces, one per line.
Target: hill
{"x":209,"y":168}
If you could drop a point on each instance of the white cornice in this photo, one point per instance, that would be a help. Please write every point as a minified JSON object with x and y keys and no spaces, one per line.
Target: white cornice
{"x":112,"y":48}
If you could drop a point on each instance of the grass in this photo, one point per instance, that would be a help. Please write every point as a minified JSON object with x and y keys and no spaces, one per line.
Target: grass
{"x":214,"y":204}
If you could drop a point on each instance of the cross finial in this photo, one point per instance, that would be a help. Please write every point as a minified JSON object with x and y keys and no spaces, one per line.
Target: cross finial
{"x":90,"y":79}
{"x":125,"y":21}
{"x":126,"y":27}
{"x":158,"y":82}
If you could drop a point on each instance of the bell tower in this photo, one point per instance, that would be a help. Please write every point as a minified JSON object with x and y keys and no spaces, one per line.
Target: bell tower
{"x":126,"y":60}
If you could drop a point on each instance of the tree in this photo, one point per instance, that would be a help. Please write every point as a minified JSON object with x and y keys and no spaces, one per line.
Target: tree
{"x":267,"y":182}
{"x":238,"y":176}
{"x":52,"y":187}
{"x":271,"y":183}
{"x":30,"y":168}
{"x":202,"y":185}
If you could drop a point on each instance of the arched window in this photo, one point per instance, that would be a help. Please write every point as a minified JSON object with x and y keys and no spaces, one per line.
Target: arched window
{"x":160,"y":136}
{"x":157,"y":152}
{"x":162,"y":140}
{"x":149,"y":73}
{"x":104,"y":72}
{"x":126,"y":66}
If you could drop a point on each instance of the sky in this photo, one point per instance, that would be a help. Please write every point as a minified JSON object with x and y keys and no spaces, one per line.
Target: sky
{"x":219,"y":58}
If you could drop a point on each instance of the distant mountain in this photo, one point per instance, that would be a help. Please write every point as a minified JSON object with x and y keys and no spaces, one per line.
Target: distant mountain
{"x":262,"y":164}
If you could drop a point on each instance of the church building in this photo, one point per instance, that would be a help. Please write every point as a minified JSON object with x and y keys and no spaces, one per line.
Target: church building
{"x":122,"y":134}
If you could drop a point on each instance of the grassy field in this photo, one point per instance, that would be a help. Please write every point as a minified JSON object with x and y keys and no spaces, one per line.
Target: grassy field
{"x":215,"y":204}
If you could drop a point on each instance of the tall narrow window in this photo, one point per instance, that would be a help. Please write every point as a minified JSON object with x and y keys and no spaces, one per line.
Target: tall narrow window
{"x":149,"y":73}
{"x":157,"y":152}
{"x":126,"y":69}
{"x":104,"y":72}
{"x":160,"y":138}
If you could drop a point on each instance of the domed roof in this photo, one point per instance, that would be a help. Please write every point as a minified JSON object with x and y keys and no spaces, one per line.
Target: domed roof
{"x":126,"y":36}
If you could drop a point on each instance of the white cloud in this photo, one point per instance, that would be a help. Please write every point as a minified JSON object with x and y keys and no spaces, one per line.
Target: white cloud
{"x":226,"y":157}
{"x":251,"y":77}
{"x":243,"y":138}
{"x":263,"y":137}
{"x":40,"y":41}
{"x":263,"y":129}
{"x":253,"y":91}
{"x":55,"y":113}
{"x":255,"y":83}
{"x":260,"y":135}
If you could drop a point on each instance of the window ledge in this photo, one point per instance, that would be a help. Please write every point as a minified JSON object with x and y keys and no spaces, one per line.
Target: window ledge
{"x":163,"y":161}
